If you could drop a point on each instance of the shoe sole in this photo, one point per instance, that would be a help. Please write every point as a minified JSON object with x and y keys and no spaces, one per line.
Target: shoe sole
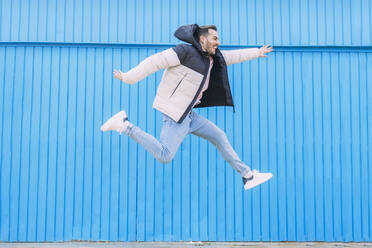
{"x":106,"y":126}
{"x":258,"y":182}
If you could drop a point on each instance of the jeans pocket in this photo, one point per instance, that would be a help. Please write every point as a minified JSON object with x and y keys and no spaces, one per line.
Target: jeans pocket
{"x":167,"y":120}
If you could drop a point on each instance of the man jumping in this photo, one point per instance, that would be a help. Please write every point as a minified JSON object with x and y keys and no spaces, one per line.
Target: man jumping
{"x":195,"y":76}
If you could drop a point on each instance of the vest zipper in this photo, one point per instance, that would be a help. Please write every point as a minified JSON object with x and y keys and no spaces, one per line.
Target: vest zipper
{"x":178,"y":85}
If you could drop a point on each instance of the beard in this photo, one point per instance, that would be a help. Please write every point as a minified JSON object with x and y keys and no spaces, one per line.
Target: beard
{"x":209,"y":48}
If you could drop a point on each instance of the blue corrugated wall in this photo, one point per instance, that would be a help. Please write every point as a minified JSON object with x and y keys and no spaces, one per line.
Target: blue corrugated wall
{"x":304,"y":114}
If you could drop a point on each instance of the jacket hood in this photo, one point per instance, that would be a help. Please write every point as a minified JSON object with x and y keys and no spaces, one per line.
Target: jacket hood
{"x":189,"y":34}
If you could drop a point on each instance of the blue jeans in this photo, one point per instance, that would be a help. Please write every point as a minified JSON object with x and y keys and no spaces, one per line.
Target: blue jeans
{"x":173,"y":133}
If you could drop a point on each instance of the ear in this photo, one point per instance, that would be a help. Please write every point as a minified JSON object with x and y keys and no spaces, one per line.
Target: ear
{"x":201,"y":39}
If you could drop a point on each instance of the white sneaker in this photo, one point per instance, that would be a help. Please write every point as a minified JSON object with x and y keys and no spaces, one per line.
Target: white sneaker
{"x":256,"y":179}
{"x":116,"y":123}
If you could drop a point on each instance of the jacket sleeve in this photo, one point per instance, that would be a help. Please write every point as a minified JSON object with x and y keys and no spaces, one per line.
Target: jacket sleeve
{"x":240,"y":55}
{"x":158,"y":61}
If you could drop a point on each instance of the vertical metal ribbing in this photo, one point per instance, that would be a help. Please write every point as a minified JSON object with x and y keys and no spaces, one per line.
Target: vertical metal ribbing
{"x":294,"y":149}
{"x":250,"y":135}
{"x":331,"y":146}
{"x":11,"y":20}
{"x":19,"y":22}
{"x":268,"y":141}
{"x":47,"y":153}
{"x":100,"y":21}
{"x":92,"y":153}
{"x":351,"y":146}
{"x":65,"y":165}
{"x":11,"y":143}
{"x":111,"y":155}
{"x":20,"y":148}
{"x":154,"y":185}
{"x":313,"y":133}
{"x":368,"y":145}
{"x":1,"y":39}
{"x":146,"y":159}
{"x":101,"y":134}
{"x":370,"y":21}
{"x":55,"y":20}
{"x":74,"y":209}
{"x":281,"y":21}
{"x":84,"y":139}
{"x":38,"y":150}
{"x":137,"y":150}
{"x":360,"y":152}
{"x":322,"y":139}
{"x":259,"y":138}
{"x":128,"y":159}
{"x":73,"y":20}
{"x":341,"y":140}
{"x":285,"y":145}
{"x":119,"y":206}
{"x":361,"y":22}
{"x":64,"y":20}
{"x":303,"y":141}
{"x":29,"y":145}
{"x":276,"y":143}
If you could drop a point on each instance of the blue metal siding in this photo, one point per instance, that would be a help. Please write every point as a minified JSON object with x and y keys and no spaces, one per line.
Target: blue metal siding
{"x":240,"y":22}
{"x":303,"y":113}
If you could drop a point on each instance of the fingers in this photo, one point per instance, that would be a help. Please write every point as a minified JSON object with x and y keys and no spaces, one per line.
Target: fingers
{"x":268,"y":48}
{"x":117,"y":74}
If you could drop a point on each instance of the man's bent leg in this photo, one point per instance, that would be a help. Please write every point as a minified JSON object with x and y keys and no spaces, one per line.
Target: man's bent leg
{"x":171,"y":136}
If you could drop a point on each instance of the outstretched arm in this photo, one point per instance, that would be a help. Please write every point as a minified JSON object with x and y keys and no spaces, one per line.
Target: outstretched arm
{"x":158,"y":61}
{"x":241,"y":55}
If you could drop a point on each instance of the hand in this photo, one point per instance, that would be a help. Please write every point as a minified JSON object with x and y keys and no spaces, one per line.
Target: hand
{"x":118,"y":74}
{"x":265,"y":49}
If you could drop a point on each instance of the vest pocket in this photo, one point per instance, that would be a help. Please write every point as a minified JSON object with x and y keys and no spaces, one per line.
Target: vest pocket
{"x":179,"y":83}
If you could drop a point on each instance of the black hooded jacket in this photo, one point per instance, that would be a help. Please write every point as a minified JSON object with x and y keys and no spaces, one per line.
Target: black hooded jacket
{"x":192,"y":56}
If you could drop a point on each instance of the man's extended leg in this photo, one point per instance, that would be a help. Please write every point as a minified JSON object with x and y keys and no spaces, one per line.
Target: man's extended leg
{"x":171,"y":136}
{"x":206,"y":129}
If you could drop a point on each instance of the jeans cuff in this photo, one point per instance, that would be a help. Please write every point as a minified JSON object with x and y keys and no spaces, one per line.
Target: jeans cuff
{"x":129,"y":130}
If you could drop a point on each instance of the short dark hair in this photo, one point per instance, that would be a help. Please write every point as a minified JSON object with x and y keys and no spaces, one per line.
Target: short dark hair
{"x":204,"y":30}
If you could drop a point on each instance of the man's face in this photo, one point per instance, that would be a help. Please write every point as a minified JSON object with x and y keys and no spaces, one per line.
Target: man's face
{"x":210,"y":42}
